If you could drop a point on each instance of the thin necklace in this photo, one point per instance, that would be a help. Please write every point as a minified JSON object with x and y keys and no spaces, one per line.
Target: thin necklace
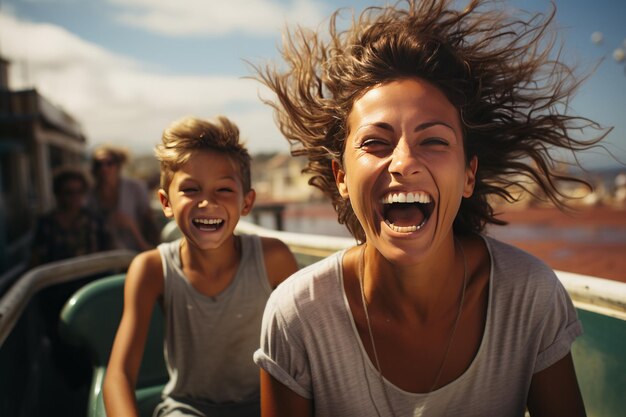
{"x":361,"y":270}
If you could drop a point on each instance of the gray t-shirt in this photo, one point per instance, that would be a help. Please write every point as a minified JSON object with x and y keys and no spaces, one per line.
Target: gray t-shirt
{"x":309,"y":342}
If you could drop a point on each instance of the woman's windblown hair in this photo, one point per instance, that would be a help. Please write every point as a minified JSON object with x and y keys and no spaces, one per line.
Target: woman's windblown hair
{"x":501,"y":72}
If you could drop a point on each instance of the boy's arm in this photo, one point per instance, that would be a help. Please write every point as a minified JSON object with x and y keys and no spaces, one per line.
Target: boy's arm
{"x":554,"y":391}
{"x":279,"y":261}
{"x":143,"y":286}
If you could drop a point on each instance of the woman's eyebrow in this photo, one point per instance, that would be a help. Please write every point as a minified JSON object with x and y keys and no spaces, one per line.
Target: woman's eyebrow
{"x":381,"y":125}
{"x":427,"y":125}
{"x":418,"y":128}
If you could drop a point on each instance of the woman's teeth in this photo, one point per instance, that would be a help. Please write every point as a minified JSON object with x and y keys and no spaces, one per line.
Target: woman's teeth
{"x":406,"y":198}
{"x":405,"y":229}
{"x":395,"y":211}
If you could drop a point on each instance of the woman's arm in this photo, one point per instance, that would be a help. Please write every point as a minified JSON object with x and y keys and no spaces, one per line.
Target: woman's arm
{"x":143,"y":286}
{"x":554,"y":391}
{"x":279,"y":401}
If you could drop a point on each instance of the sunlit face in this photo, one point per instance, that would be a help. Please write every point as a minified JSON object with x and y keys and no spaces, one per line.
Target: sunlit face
{"x":404,"y":168}
{"x":206,"y":198}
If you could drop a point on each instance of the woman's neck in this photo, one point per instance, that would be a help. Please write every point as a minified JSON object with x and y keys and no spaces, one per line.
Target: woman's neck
{"x":427,"y":288}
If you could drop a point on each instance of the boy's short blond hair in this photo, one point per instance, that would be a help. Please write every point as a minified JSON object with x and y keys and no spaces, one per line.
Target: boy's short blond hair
{"x":185,"y":136}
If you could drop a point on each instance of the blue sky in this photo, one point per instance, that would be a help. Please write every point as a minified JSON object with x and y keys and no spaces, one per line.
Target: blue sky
{"x":127,"y":68}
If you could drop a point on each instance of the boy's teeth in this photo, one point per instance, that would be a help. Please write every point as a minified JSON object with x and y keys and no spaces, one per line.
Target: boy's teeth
{"x":209,"y":221}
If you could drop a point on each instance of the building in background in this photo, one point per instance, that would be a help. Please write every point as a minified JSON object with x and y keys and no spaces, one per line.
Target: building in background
{"x":278,"y":178}
{"x":36,"y":137}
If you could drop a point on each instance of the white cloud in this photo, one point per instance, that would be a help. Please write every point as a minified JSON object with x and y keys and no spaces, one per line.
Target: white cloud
{"x":213,"y":17}
{"x":48,"y":45}
{"x":119,"y":101}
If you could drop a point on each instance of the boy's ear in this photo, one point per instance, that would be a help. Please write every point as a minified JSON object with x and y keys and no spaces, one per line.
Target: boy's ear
{"x":340,"y":179}
{"x":165,"y":204}
{"x":248,"y":202}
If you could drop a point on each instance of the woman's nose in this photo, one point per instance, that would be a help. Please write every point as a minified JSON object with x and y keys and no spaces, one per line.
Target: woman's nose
{"x":204,"y":203}
{"x":403,"y":161}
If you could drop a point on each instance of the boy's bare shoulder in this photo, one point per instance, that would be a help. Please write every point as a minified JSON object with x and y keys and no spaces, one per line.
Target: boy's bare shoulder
{"x":150,"y":259}
{"x":274,"y":249}
{"x":271,"y":243}
{"x":279,"y":261}
{"x":146,"y":269}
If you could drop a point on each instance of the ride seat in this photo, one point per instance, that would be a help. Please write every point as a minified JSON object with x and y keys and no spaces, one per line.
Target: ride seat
{"x":90,"y":319}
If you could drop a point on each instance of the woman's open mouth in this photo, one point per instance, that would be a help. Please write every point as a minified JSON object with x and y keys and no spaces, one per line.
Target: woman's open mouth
{"x":208,"y":225}
{"x":407,"y":212}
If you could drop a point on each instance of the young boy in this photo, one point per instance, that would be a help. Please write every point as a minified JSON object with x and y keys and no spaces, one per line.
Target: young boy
{"x":212,"y":284}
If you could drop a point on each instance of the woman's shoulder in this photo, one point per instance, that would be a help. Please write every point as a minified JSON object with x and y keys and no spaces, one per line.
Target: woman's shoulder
{"x":318,"y":274}
{"x":319,"y":282}
{"x":514,"y":259}
{"x":515,"y":270}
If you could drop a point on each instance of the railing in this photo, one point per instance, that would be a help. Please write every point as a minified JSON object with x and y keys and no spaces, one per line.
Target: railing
{"x":599,"y":295}
{"x":14,"y":261}
{"x":15,"y":300}
{"x":316,"y":246}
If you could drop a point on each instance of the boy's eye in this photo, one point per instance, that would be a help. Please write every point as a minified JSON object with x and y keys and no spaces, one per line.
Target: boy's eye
{"x":225,"y":190}
{"x":188,"y":190}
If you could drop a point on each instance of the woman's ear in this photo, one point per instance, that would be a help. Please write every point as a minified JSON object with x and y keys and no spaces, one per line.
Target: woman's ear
{"x":165,"y":204}
{"x":470,"y":177}
{"x":340,"y":180}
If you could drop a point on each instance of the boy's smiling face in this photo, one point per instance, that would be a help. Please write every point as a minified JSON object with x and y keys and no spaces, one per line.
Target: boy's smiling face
{"x":206,"y":198}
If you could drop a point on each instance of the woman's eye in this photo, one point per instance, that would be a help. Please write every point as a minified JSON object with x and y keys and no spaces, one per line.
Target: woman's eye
{"x":435,"y":141}
{"x":373,"y":143}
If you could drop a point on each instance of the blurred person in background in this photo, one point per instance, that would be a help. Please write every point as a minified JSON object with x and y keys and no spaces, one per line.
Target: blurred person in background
{"x":123,"y":202}
{"x":70,"y":229}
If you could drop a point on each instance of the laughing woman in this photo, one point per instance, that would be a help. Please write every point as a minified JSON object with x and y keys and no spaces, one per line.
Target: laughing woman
{"x":413,"y":119}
